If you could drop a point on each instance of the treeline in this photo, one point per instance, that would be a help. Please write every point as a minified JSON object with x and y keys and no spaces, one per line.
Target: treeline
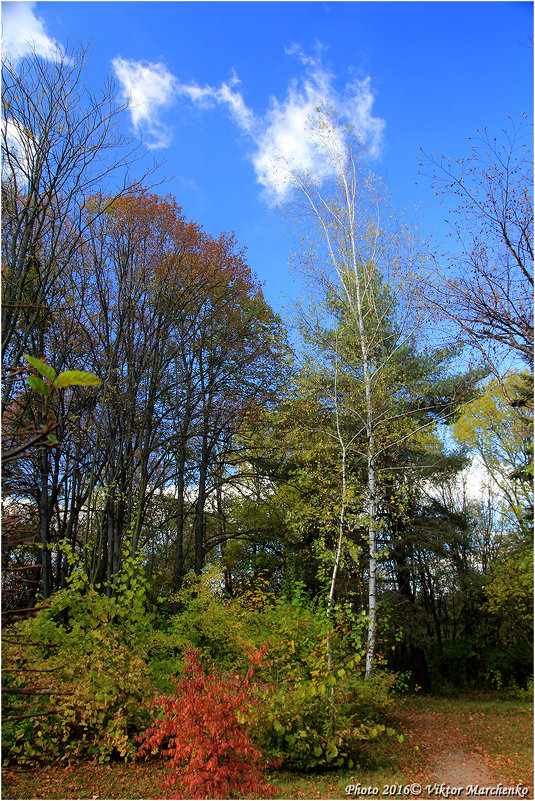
{"x":211,"y":446}
{"x":176,"y":327}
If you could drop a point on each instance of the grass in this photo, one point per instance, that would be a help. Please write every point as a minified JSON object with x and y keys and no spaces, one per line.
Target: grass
{"x":384,"y":768}
{"x":497,"y":729}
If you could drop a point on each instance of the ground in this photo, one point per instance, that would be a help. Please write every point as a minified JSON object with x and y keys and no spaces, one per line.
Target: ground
{"x":479,"y":742}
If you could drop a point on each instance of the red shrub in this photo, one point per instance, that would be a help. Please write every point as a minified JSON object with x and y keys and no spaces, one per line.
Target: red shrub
{"x":210,"y":752}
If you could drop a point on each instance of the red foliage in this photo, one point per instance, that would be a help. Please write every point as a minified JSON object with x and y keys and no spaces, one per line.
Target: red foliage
{"x":210,"y":752}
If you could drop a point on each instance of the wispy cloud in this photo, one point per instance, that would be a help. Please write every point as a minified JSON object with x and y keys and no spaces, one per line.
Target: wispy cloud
{"x":226,"y":95}
{"x":284,"y":140}
{"x":23,"y":33}
{"x":19,"y":151}
{"x":288,"y":141}
{"x":148,"y":88}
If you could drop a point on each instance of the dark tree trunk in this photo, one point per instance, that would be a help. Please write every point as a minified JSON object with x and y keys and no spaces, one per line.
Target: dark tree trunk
{"x":200,"y":522}
{"x":44,"y":525}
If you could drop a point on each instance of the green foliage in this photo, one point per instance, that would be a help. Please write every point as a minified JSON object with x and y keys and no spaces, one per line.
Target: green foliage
{"x":500,"y":432}
{"x":206,"y":622}
{"x":509,"y":596}
{"x":106,"y":659}
{"x":319,"y":724}
{"x":164,"y":658}
{"x":96,"y":681}
{"x":69,"y":378}
{"x":41,"y":367}
{"x":54,"y":382}
{"x":224,"y":630}
{"x":312,"y":716}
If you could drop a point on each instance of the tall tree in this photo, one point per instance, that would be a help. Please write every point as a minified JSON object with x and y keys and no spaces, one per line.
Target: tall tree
{"x":234,"y":367}
{"x":370,"y":261}
{"x":145,"y":280}
{"x":365,"y":262}
{"x":176,"y":324}
{"x":59,"y":144}
{"x":501,"y":438}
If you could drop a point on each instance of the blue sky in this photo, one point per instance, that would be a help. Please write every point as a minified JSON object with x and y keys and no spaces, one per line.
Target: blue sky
{"x":219,"y":89}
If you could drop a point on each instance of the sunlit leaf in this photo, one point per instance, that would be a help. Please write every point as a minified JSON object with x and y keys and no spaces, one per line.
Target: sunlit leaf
{"x":41,"y":367}
{"x":38,"y":385}
{"x":71,"y":378}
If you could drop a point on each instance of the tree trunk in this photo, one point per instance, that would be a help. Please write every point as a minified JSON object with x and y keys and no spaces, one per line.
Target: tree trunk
{"x":200,"y":523}
{"x":178,"y":567}
{"x":44,"y":525}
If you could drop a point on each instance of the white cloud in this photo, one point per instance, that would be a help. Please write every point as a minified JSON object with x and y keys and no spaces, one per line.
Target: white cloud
{"x":284,"y":139}
{"x":225,"y":95}
{"x":19,"y":151}
{"x":147,"y":88}
{"x":296,"y":50}
{"x":289,"y":140}
{"x":24,"y":33}
{"x":288,"y":143}
{"x":357,"y":108}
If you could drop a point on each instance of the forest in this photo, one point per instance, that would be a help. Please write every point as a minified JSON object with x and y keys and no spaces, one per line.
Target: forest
{"x":236,"y":540}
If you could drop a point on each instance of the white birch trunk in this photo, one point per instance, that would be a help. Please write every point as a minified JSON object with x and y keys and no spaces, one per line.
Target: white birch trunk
{"x":352,"y":252}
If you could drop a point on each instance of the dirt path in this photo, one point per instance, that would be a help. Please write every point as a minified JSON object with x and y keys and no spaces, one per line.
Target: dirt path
{"x":458,"y":769}
{"x":450,"y":756}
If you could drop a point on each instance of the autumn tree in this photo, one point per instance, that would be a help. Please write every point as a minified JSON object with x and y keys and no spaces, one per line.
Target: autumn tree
{"x":362,"y":258}
{"x":176,"y":325}
{"x":485,"y":288}
{"x":483,"y":292}
{"x":230,"y":366}
{"x":500,"y":436}
{"x":60,"y":143}
{"x":363,"y":262}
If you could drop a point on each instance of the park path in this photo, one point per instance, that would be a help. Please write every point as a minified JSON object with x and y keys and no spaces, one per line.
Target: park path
{"x":449,"y":755}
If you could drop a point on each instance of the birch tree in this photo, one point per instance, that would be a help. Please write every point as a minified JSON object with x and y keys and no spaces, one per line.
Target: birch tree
{"x":364,"y":261}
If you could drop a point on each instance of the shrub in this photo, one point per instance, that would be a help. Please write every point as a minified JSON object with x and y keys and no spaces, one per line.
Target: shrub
{"x":372,"y":697}
{"x":224,"y":630}
{"x":312,"y":717}
{"x":164,"y":659}
{"x":202,"y":731}
{"x":313,"y":725}
{"x":96,"y":680}
{"x":207,"y":622}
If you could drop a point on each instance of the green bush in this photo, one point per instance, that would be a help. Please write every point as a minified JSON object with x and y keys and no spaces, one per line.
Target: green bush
{"x":106,"y":659}
{"x":209,"y":623}
{"x":96,"y":681}
{"x":164,"y":659}
{"x":225,"y":630}
{"x":372,"y":698}
{"x":314,"y":715}
{"x":313,"y":725}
